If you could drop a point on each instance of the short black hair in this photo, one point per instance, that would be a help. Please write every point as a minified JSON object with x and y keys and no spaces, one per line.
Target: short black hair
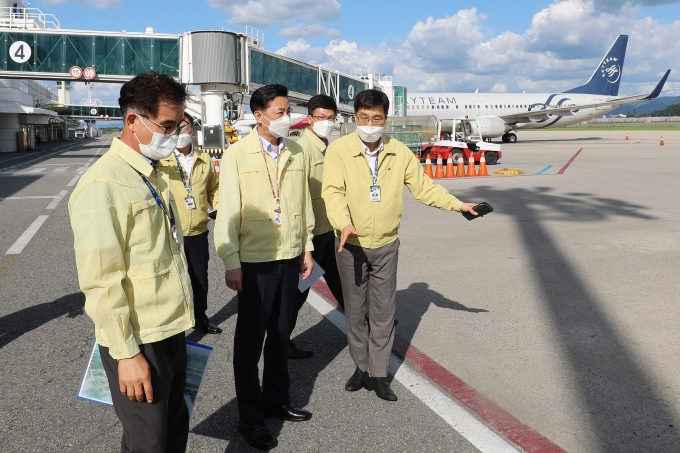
{"x":371,"y":100}
{"x":146,"y":91}
{"x":321,"y":101}
{"x":263,"y":96}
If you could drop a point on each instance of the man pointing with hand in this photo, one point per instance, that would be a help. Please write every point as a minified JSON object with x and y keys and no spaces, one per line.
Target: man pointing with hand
{"x":363,"y":187}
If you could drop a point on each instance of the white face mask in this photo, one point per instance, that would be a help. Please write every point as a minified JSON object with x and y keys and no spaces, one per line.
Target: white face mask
{"x":184,"y":140}
{"x":280,"y":126}
{"x":161,"y":145}
{"x":323,"y":128}
{"x":370,"y":134}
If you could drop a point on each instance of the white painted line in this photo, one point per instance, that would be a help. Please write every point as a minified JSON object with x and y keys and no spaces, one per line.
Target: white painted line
{"x":36,"y":170}
{"x":73,"y":181}
{"x":477,"y":433}
{"x":25,"y":238}
{"x":59,"y":169}
{"x":53,"y":204}
{"x":51,"y":197}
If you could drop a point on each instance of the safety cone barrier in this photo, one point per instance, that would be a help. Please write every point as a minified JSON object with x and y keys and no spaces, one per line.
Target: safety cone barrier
{"x":449,"y":168}
{"x":662,"y":143}
{"x":626,"y":136}
{"x":482,"y":166}
{"x":428,"y":166}
{"x":460,"y":171}
{"x":217,"y":167}
{"x":471,"y":166}
{"x":439,"y":171}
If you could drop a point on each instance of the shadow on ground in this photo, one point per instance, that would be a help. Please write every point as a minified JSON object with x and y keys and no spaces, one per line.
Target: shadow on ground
{"x":623,"y":407}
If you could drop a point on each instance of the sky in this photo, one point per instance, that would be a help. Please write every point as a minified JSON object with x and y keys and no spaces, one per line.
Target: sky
{"x":426,"y":45}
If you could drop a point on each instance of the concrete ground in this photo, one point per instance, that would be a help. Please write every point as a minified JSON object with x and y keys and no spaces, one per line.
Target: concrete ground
{"x":559,"y":307}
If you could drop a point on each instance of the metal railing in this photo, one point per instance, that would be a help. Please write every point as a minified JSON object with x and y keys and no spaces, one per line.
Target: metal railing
{"x":91,"y":102}
{"x":26,"y":18}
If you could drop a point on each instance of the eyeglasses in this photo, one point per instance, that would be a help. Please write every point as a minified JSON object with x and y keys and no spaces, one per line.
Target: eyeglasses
{"x":365,"y":119}
{"x":167,"y":130}
{"x":184,"y":128}
{"x":324,"y":118}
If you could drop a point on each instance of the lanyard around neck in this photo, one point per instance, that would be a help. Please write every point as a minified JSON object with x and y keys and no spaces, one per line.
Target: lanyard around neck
{"x":374,"y":173}
{"x":276,"y":194}
{"x":168,"y":213}
{"x":187,"y":185}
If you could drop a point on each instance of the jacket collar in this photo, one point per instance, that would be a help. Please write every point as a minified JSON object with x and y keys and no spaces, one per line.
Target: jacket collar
{"x":132,"y":157}
{"x":358,"y":146}
{"x":315,"y":140}
{"x":253,"y":143}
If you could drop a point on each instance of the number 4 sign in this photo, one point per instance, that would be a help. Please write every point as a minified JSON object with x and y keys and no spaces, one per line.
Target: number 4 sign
{"x":20,"y":52}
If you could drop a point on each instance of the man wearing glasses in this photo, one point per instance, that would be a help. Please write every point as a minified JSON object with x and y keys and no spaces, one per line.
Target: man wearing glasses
{"x":128,"y":246}
{"x":363,"y":188}
{"x":322,"y":111}
{"x":195,"y":187}
{"x":263,"y":234}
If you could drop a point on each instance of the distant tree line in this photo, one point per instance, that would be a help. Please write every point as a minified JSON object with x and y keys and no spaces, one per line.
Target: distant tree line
{"x":671,"y":110}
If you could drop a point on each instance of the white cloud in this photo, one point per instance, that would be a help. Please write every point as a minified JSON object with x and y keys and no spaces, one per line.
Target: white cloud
{"x":303,"y":30}
{"x":265,"y":13}
{"x":108,"y":93}
{"x":560,"y":50}
{"x":101,"y":4}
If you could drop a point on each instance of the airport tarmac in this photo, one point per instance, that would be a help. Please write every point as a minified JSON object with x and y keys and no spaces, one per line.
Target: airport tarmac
{"x":558,"y":308}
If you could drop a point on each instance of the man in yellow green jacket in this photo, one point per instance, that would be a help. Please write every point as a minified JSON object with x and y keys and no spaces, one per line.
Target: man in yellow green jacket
{"x":264,"y":236}
{"x":195,"y":187}
{"x":127,"y":240}
{"x":363,"y":187}
{"x":322,"y":110}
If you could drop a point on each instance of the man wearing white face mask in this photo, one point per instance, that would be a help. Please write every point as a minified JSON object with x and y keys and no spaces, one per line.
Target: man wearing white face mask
{"x":195,"y":187}
{"x":363,"y":188}
{"x":322,"y":111}
{"x":128,"y":247}
{"x":264,"y":236}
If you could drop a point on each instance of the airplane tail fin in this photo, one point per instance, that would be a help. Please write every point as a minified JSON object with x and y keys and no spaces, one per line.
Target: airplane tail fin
{"x":607,"y":76}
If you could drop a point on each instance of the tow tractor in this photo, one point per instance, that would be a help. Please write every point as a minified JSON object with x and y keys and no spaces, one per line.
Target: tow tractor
{"x":467,"y":141}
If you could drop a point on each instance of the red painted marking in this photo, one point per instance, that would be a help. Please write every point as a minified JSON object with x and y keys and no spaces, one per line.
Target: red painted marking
{"x":514,"y":430}
{"x":570,"y":161}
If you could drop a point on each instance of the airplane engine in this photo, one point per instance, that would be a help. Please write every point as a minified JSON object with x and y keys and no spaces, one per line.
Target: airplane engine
{"x":492,"y":127}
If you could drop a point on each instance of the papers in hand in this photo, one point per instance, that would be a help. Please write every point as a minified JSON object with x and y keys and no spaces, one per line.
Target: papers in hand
{"x":317,"y":272}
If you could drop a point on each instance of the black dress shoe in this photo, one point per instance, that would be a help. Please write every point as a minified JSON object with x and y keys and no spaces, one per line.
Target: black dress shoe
{"x":258,"y":435}
{"x":297,"y":353}
{"x":203,"y":325}
{"x":380,"y":386}
{"x":287,"y":413}
{"x":356,"y":382}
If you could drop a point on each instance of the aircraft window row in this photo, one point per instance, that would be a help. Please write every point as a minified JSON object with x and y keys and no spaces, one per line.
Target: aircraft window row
{"x":470,"y":106}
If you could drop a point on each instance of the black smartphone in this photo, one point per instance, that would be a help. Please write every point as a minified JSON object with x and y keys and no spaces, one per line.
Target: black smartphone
{"x":481,"y":209}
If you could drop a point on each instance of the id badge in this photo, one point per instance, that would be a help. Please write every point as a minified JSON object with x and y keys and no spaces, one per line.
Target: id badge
{"x":277,"y":217}
{"x":191,"y":204}
{"x":375,"y":193}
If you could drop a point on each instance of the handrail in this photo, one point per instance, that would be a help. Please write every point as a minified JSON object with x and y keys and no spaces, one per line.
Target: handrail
{"x":26,"y":18}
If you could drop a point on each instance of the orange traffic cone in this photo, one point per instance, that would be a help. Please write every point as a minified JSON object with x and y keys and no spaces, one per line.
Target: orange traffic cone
{"x":217,"y":167}
{"x":482,"y":166}
{"x":439,"y":172}
{"x":428,"y":166}
{"x":662,"y":143}
{"x":449,"y":168}
{"x":460,"y":171}
{"x":471,"y":166}
{"x":626,"y":136}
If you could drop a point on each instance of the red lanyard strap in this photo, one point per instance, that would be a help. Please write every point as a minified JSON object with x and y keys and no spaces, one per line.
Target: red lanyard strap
{"x":276,"y":194}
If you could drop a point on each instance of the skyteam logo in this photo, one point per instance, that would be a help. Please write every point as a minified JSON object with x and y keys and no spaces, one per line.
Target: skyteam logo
{"x":611,"y":70}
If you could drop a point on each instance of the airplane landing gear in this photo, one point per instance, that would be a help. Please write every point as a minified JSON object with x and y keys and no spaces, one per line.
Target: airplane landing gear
{"x":509,"y":137}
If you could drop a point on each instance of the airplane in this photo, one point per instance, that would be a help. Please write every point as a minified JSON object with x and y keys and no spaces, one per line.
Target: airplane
{"x":502,"y":114}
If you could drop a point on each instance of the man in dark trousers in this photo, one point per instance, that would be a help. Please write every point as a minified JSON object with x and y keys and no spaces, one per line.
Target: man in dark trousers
{"x":322,"y":111}
{"x":264,"y":236}
{"x":128,"y":244}
{"x":195,"y":187}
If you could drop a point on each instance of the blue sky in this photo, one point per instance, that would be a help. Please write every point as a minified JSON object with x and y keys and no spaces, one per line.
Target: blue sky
{"x":427,"y":45}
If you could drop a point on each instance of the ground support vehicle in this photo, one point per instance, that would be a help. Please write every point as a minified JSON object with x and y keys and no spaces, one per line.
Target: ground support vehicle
{"x":467,"y":141}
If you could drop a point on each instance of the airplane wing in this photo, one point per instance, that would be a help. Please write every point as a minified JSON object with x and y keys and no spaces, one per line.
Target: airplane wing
{"x":542,"y":114}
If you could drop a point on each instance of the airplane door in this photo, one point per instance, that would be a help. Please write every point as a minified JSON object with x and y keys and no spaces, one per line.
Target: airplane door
{"x":591,"y":111}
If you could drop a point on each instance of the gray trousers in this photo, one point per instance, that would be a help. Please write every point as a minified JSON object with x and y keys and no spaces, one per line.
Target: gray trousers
{"x":370,"y":329}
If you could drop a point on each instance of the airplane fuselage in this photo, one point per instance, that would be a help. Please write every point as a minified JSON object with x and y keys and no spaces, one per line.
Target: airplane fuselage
{"x":447,"y":106}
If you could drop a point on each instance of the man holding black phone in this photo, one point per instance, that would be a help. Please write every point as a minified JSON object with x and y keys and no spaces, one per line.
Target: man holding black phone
{"x":363,"y":188}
